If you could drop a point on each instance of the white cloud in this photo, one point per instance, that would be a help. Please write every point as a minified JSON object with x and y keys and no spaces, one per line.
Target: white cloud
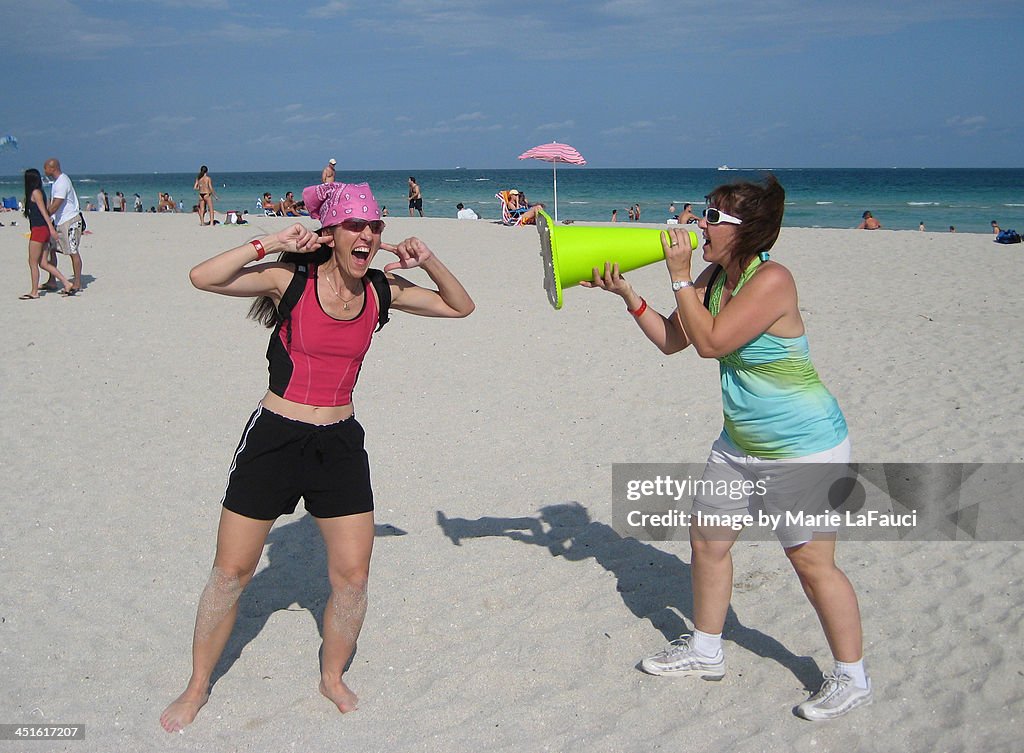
{"x":200,"y":4}
{"x":959,"y":121}
{"x":333,"y":9}
{"x":560,"y":126}
{"x":243,"y":34}
{"x":171,"y":121}
{"x":444,"y":128}
{"x":311,"y":118}
{"x":81,"y":36}
{"x":638,"y":125}
{"x":966,"y":125}
{"x":112,"y":129}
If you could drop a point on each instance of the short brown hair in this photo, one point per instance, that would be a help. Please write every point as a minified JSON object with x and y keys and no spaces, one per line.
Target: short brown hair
{"x":760,"y":206}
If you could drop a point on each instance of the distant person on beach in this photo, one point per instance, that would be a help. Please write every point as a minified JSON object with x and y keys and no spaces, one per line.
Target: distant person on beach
{"x":327,"y":174}
{"x":67,"y":217}
{"x":529,"y":217}
{"x":102,"y":205}
{"x":270,"y":205}
{"x":995,"y":228}
{"x":122,"y":204}
{"x":615,"y":215}
{"x":952,"y":229}
{"x":415,"y":197}
{"x":138,"y":203}
{"x":672,"y":210}
{"x":41,"y":230}
{"x":383,"y":211}
{"x":289,"y":207}
{"x":782,"y":429}
{"x":166,"y":204}
{"x":631,"y":214}
{"x":519,"y":206}
{"x":204,"y":187}
{"x":463,"y":213}
{"x":303,"y":440}
{"x":920,"y":227}
{"x":687,"y":217}
{"x":868,"y":222}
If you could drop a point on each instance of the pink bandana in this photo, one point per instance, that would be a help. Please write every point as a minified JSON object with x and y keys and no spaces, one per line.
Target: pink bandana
{"x":333,"y":203}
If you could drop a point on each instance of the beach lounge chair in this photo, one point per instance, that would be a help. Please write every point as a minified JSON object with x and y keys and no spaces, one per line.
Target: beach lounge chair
{"x":510,"y":217}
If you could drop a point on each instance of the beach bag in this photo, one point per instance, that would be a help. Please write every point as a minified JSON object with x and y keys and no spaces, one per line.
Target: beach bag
{"x":1008,"y":236}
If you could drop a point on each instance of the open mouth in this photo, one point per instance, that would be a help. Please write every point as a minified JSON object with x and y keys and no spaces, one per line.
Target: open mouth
{"x":361,"y":255}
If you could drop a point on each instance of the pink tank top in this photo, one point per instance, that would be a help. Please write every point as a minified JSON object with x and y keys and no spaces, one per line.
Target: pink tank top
{"x":314,"y":358}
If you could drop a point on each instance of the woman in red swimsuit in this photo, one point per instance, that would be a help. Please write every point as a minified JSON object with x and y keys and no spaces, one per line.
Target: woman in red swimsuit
{"x":42,"y":229}
{"x":303,"y":440}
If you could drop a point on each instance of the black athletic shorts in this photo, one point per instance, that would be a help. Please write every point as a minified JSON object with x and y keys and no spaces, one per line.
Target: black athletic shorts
{"x":416,"y":204}
{"x":279,"y":460}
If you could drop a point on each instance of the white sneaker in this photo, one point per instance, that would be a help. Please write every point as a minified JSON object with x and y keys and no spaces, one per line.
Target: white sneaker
{"x":680,"y":660}
{"x":838,"y":695}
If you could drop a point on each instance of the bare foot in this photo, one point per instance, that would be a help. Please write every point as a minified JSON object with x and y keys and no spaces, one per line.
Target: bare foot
{"x":182,"y":711}
{"x":342,"y":697}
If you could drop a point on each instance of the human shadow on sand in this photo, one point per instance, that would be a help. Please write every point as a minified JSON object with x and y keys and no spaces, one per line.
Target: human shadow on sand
{"x":653,"y":584}
{"x":295,"y":579}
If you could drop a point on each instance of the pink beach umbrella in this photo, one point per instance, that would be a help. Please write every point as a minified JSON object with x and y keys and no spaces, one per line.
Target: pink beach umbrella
{"x":555,"y":153}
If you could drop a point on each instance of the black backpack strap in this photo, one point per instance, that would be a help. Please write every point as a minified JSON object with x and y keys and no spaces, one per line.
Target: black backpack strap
{"x":711,"y":284}
{"x":383,"y":288}
{"x":294,"y":292}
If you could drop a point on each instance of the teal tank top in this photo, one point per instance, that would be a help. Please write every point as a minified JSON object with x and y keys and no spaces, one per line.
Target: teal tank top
{"x":775,"y":404}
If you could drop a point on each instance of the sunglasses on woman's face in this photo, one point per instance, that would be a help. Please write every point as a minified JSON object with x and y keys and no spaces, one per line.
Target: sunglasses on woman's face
{"x":357,"y":226}
{"x":717,"y":217}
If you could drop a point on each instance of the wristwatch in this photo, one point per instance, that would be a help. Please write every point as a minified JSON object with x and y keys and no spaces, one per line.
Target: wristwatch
{"x":678,"y":285}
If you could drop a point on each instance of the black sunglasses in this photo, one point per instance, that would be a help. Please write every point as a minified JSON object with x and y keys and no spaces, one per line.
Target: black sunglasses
{"x":357,"y":226}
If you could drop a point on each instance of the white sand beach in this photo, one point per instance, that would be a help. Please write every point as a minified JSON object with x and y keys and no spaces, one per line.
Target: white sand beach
{"x":505,"y":612}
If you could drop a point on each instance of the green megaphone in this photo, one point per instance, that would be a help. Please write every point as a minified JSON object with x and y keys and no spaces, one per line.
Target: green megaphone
{"x":571,"y":253}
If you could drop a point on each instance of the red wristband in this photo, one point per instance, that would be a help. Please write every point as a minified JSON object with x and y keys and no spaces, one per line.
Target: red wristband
{"x":260,"y":251}
{"x":640,"y":310}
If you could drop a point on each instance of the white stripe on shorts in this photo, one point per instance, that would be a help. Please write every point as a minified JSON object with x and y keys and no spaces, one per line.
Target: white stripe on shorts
{"x":241,"y":448}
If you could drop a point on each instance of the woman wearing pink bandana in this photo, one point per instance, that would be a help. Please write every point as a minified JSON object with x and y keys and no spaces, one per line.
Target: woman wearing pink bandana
{"x":324,"y":303}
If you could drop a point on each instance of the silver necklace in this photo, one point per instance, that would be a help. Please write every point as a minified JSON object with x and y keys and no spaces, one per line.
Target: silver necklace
{"x":345,"y":303}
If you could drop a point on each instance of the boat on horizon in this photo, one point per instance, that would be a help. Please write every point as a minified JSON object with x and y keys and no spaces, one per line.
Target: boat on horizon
{"x":725,"y":167}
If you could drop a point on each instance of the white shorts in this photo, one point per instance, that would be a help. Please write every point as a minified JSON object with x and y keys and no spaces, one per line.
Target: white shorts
{"x":795,"y":489}
{"x":69,"y":235}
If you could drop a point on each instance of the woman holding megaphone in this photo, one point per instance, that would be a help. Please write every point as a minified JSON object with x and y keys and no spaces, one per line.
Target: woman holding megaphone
{"x":783,"y":431}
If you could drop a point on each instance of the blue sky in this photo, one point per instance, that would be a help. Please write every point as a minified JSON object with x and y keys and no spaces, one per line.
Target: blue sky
{"x":165,"y":85}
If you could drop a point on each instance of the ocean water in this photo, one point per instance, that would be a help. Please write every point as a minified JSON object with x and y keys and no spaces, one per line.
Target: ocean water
{"x":899,"y":198}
